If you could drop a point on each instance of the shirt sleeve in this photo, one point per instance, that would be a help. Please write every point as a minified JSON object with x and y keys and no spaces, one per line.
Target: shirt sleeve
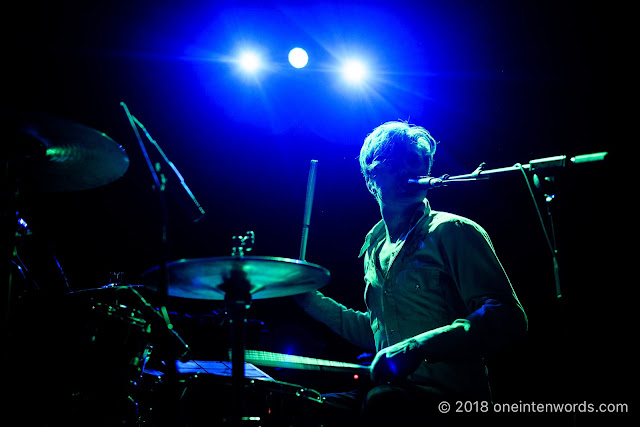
{"x":352,"y":325}
{"x":496,"y":316}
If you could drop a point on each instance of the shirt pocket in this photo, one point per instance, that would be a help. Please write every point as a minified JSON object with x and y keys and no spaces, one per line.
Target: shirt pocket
{"x":419,"y":280}
{"x":421,"y":300}
{"x":427,"y":291}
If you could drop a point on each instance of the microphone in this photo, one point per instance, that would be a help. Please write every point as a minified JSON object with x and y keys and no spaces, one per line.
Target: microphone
{"x":428,"y":182}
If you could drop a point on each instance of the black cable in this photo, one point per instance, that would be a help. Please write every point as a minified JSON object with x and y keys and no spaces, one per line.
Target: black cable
{"x":552,"y":247}
{"x":535,"y":203}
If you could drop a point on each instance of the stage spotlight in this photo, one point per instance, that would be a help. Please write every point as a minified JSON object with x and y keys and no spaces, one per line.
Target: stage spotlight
{"x":249,"y":62}
{"x":298,"y":57}
{"x":354,"y":71}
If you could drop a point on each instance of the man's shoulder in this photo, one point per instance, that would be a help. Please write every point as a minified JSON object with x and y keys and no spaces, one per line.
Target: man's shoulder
{"x":439,"y":220}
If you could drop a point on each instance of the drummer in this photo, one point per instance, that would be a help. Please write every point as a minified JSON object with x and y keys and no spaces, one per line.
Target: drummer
{"x":438,"y":299}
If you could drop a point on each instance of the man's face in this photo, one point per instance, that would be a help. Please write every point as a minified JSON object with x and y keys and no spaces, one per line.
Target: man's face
{"x":390,"y":175}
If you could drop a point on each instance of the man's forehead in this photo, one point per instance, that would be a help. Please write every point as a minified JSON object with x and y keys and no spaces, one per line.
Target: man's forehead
{"x":408,"y":148}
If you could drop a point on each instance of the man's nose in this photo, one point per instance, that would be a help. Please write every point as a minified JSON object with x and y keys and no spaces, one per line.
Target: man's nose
{"x":410,"y":168}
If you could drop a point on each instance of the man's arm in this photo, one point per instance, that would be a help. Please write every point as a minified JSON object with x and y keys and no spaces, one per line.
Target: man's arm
{"x":496,"y":318}
{"x":352,"y":325}
{"x":473,"y":337}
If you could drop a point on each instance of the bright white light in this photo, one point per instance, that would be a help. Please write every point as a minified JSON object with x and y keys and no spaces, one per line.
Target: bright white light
{"x":249,"y":62}
{"x":298,"y":57}
{"x":354,"y":71}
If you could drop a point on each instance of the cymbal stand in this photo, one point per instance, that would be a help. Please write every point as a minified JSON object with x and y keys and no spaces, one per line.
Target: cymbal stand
{"x":18,"y":165}
{"x":8,"y":218}
{"x":237,"y":291}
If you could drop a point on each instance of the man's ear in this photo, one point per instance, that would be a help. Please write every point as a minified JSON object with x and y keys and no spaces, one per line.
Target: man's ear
{"x":372,"y":188}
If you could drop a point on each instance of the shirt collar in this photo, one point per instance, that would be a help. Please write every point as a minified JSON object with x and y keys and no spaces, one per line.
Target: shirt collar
{"x":378,"y":229}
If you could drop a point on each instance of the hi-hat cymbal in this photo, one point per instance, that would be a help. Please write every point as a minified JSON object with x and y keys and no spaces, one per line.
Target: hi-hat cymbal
{"x":71,"y":156}
{"x":103,"y":290}
{"x":268,"y":277}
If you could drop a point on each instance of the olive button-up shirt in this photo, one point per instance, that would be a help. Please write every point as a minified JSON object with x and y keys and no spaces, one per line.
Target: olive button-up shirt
{"x":445,"y":271}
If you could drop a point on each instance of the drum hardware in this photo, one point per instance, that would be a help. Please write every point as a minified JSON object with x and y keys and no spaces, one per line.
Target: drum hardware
{"x":116,"y":308}
{"x":67,"y":163}
{"x":70,"y":157}
{"x":47,"y":154}
{"x":238,"y":280}
{"x":178,"y":347}
{"x":206,"y":399}
{"x":127,"y":320}
{"x":245,"y":244}
{"x":166,"y":335}
{"x":117,"y":342}
{"x":145,"y":316}
{"x":124,"y":313}
{"x":237,"y":292}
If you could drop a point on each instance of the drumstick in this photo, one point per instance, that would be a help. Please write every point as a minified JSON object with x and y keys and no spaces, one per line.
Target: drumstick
{"x":311,"y":184}
{"x":280,"y":360}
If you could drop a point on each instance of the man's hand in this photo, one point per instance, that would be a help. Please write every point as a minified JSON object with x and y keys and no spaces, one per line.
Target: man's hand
{"x":396,"y":362}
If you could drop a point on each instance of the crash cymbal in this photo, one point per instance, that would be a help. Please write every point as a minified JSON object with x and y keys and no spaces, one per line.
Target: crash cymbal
{"x":71,"y":156}
{"x":268,"y":277}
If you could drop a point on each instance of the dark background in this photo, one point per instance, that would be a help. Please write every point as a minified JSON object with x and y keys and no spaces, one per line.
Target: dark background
{"x":497,"y":82}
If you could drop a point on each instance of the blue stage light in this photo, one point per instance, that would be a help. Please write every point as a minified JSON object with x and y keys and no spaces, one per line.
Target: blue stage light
{"x":354,"y":71}
{"x":298,"y":57}
{"x":249,"y":62}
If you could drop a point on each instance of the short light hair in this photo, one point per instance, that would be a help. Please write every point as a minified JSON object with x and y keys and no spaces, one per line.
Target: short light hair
{"x":383,"y":139}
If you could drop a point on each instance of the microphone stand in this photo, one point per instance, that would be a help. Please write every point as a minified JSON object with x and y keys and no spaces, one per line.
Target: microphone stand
{"x":544,"y":164}
{"x":480,"y":173}
{"x":169,"y":403}
{"x":174,"y":169}
{"x":544,"y":184}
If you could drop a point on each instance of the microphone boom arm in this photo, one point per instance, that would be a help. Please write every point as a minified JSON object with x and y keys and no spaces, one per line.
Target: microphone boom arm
{"x":547,"y":163}
{"x":534,"y":165}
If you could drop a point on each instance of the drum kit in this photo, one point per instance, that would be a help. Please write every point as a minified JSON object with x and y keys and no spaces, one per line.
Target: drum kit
{"x":57,"y":155}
